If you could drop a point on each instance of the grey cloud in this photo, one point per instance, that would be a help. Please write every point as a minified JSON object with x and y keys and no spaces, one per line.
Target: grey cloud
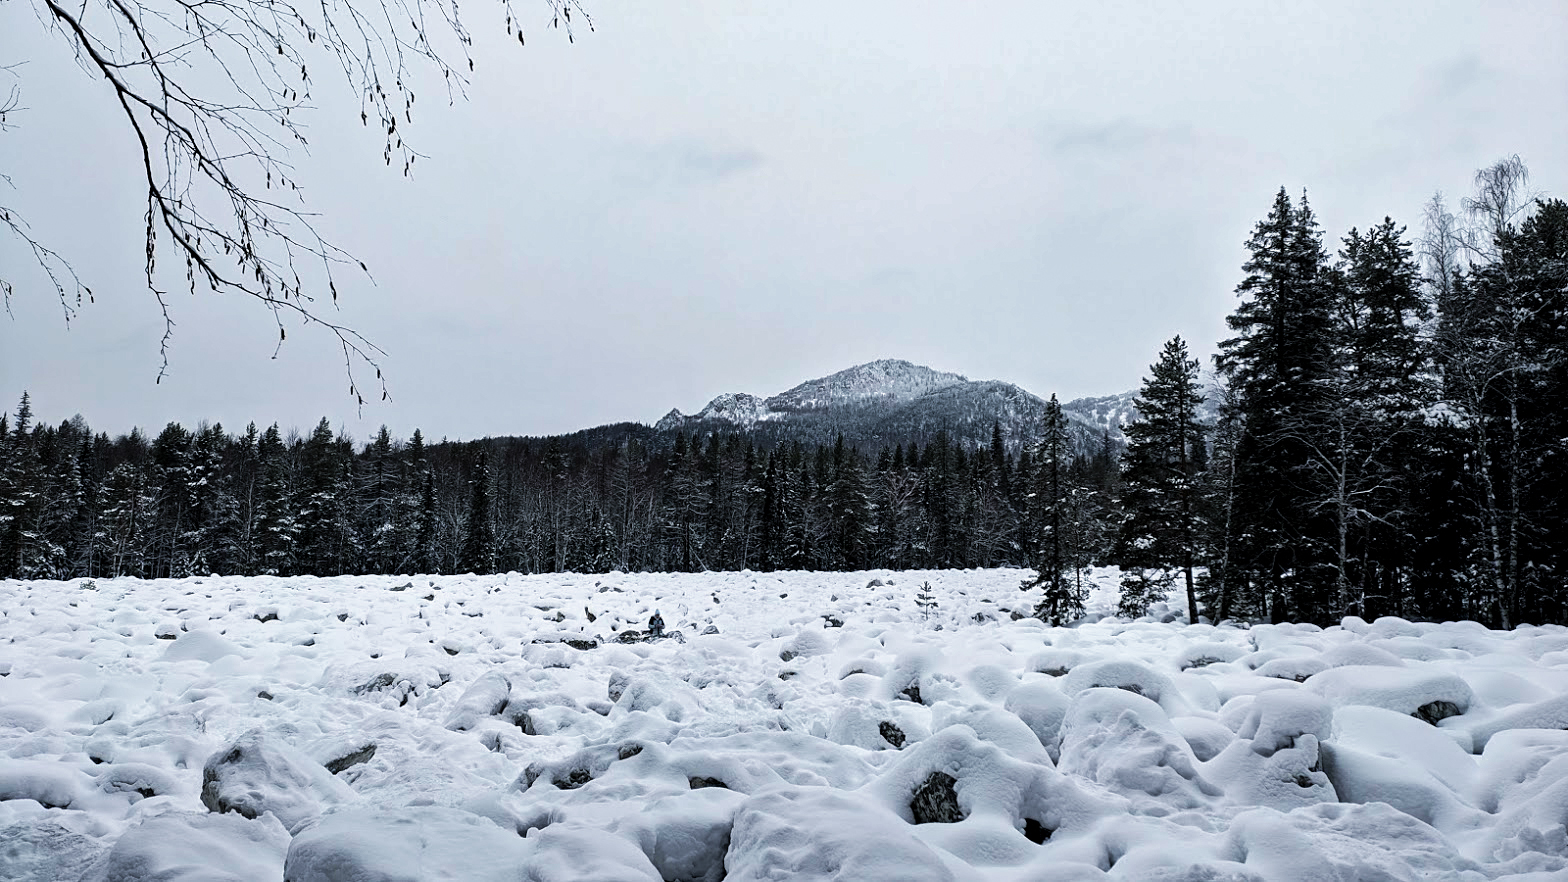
{"x":1459,"y":75}
{"x":684,"y":163}
{"x":1117,"y":136}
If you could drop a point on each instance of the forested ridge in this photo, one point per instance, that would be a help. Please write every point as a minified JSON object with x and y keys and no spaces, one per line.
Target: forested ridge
{"x":1392,"y":438}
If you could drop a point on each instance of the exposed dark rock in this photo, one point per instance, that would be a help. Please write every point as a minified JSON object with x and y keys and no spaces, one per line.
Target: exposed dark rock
{"x":574,"y":779}
{"x":912,"y":693}
{"x":1200,"y":662}
{"x":264,"y":695}
{"x":450,"y":650}
{"x":618,"y":683}
{"x":833,"y":621}
{"x":268,"y":617}
{"x":519,"y":718}
{"x":1036,"y":832}
{"x":1134,"y":688}
{"x":1434,"y":711}
{"x":342,"y":617}
{"x":378,"y":683}
{"x":363,"y":755}
{"x":698,"y":782}
{"x":711,"y":629}
{"x":891,"y":734}
{"x":256,"y":775}
{"x":628,"y":751}
{"x":401,"y":587}
{"x":787,"y":655}
{"x":935,"y":801}
{"x":582,"y":643}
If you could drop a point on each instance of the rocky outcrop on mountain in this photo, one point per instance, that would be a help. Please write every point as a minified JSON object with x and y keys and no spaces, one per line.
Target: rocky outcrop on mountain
{"x":896,"y":402}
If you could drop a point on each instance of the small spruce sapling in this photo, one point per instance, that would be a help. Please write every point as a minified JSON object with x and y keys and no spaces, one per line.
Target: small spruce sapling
{"x":1142,"y":588}
{"x":926,"y":601}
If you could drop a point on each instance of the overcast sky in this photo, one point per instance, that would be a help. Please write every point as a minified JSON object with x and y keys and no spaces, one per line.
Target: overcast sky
{"x":711,"y":197}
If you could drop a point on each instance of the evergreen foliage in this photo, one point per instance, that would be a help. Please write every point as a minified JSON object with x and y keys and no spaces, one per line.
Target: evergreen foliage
{"x":1390,"y":438}
{"x":1161,"y":523}
{"x":1061,"y":600}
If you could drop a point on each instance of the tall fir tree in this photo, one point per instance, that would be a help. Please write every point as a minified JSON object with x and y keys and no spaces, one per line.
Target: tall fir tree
{"x":1160,"y":479}
{"x":479,"y":545}
{"x":1060,"y":600}
{"x":276,"y":525}
{"x":1276,"y":364}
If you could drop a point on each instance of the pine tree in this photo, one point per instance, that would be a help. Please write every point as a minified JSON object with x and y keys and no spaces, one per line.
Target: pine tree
{"x":1501,"y":352}
{"x":770,"y":526}
{"x":1060,"y":601}
{"x":276,"y":526}
{"x":245,"y":483}
{"x":1276,"y":365}
{"x":848,"y":509}
{"x":1160,"y":479}
{"x":326,"y":536}
{"x":426,"y":559}
{"x":378,"y":504}
{"x":21,"y":498}
{"x":127,"y":512}
{"x":1358,"y":434}
{"x":479,"y":545}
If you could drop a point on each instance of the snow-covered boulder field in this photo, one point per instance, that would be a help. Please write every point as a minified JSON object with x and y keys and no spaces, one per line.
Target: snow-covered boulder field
{"x":801,"y":726}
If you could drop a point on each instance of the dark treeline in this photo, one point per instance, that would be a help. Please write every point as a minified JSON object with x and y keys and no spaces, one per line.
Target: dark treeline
{"x":1392,"y":439}
{"x":1393,"y":425}
{"x":197,"y":501}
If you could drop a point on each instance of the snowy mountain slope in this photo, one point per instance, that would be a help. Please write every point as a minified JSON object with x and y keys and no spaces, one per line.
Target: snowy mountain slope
{"x":892,"y":401}
{"x":810,"y":726}
{"x":890,"y":381}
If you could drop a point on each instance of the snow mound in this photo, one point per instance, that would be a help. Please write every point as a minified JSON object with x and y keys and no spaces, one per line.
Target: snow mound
{"x":823,"y":728}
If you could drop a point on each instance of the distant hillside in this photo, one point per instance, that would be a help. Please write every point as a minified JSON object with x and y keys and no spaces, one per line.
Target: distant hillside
{"x":893,"y":401}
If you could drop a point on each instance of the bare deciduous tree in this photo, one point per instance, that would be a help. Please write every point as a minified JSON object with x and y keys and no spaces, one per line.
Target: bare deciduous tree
{"x":213,"y":91}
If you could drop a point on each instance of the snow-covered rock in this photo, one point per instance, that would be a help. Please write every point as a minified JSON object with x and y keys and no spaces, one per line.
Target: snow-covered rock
{"x":482,"y":728}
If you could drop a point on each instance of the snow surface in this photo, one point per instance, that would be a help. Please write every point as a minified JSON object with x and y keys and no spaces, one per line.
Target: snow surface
{"x":495,"y":727}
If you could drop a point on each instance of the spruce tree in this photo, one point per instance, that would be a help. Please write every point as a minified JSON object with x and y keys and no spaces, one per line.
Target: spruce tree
{"x":1276,"y":365}
{"x":121,"y":539}
{"x":479,"y":545}
{"x":1160,"y":479}
{"x":425,"y":557}
{"x":276,"y":526}
{"x":1061,"y":601}
{"x":770,"y":525}
{"x":21,"y":497}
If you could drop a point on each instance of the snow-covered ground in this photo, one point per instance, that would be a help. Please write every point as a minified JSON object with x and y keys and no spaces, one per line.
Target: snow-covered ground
{"x":808,"y":726}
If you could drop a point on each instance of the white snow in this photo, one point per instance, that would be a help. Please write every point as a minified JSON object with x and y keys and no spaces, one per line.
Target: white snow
{"x":800,"y":726}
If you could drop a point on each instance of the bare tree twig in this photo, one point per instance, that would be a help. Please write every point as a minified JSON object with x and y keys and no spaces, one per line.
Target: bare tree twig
{"x":210,"y":89}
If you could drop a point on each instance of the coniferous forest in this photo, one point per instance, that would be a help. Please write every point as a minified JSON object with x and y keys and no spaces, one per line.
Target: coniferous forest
{"x":1391,"y":439}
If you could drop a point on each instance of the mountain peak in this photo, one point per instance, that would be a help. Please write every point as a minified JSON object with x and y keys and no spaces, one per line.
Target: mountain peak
{"x":735,"y":407}
{"x":893,"y":400}
{"x":888,"y":379}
